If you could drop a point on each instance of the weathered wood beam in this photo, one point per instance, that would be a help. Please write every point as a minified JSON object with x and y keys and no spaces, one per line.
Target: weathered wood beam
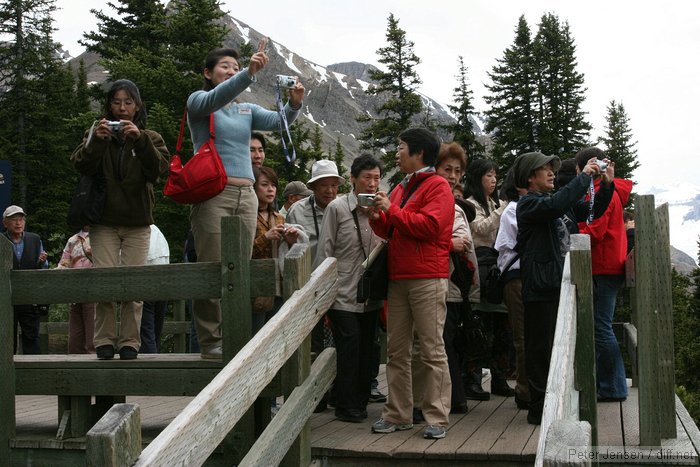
{"x":115,"y":440}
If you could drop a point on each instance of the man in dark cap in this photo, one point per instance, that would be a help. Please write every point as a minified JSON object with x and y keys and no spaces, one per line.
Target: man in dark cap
{"x":293,"y":192}
{"x":543,"y":241}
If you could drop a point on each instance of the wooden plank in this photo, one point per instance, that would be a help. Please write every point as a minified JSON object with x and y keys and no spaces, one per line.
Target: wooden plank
{"x":584,"y":363}
{"x":115,"y":440}
{"x":179,"y":281}
{"x":562,"y":398}
{"x":568,"y":444}
{"x":647,"y":320}
{"x":194,"y":434}
{"x":296,"y":273}
{"x":511,"y":444}
{"x":664,"y":304}
{"x":688,"y":424}
{"x":7,"y":380}
{"x":121,"y":379}
{"x":271,"y":447}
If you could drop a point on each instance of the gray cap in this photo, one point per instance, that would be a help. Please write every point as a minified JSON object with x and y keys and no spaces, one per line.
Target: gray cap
{"x":296,"y":188}
{"x":525,"y":163}
{"x":12,"y":210}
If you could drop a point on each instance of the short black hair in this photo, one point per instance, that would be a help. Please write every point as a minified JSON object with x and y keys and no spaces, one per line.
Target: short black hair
{"x":566,"y":173}
{"x":365,"y":162}
{"x":213,"y":57}
{"x":585,"y":154}
{"x":422,"y":139}
{"x":259,"y":136}
{"x":509,"y":191}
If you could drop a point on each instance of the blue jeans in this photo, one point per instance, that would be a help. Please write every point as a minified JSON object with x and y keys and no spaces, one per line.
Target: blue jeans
{"x":610,"y":370}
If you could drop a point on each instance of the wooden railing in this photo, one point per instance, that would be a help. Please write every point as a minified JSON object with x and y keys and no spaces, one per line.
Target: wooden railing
{"x":235,"y":279}
{"x":569,"y":419}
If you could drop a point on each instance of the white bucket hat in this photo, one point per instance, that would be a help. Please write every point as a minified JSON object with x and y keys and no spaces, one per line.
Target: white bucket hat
{"x":12,"y":210}
{"x":324,"y":168}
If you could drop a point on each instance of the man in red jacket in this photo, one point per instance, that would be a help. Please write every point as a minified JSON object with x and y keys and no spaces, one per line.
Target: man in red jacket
{"x":417,"y":219}
{"x":608,"y":253}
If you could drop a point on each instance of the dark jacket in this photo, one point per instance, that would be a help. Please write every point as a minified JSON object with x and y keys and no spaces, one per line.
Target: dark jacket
{"x":131,"y":168}
{"x":30,"y":255}
{"x":540,"y":233}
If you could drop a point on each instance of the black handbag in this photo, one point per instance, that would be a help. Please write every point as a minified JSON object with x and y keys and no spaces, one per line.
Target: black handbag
{"x":374,"y":283}
{"x":474,"y":336}
{"x":88,"y":202}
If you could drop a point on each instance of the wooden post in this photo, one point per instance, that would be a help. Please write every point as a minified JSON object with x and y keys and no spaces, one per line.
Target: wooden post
{"x":115,"y":440}
{"x":180,"y":338}
{"x":664,"y":305}
{"x":646,"y":278}
{"x":237,"y":320}
{"x":7,"y":364}
{"x":297,"y":270}
{"x":584,"y":363}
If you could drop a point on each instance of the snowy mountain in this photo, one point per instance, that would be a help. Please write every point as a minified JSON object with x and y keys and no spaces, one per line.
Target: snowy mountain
{"x":684,"y":213}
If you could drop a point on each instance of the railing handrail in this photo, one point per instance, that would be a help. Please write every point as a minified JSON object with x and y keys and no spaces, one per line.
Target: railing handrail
{"x":196,"y":432}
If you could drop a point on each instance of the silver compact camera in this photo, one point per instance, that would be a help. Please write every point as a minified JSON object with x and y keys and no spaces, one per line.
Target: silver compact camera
{"x":603,"y":165}
{"x":365,"y":199}
{"x":115,"y":127}
{"x":286,"y":81}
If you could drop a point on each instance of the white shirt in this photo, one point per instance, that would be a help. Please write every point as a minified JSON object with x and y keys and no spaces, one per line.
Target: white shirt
{"x":507,"y":238}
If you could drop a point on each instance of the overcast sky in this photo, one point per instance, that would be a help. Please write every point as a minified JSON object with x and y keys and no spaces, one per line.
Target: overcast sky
{"x":643,"y":54}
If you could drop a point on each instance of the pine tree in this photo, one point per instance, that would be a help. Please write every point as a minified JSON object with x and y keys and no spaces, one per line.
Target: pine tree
{"x":82,"y":93}
{"x":560,"y":123}
{"x":512,"y":118}
{"x":339,"y":158}
{"x":398,"y":86}
{"x":463,"y":128}
{"x":619,"y":141}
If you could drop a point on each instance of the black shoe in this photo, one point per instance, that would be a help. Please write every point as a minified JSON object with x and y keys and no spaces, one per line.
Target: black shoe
{"x":351,"y":415}
{"x":534,"y":419}
{"x":475,"y":392}
{"x":460,"y":408}
{"x":522,"y":404}
{"x":105,"y":352}
{"x":128,"y":353}
{"x":418,"y":416}
{"x":501,"y":388}
{"x":376,"y":396}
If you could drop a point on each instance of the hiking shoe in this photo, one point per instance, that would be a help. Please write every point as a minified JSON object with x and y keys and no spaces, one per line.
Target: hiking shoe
{"x":385,"y":426}
{"x":105,"y":352}
{"x":128,"y":353}
{"x":434,"y":432}
{"x":376,"y":396}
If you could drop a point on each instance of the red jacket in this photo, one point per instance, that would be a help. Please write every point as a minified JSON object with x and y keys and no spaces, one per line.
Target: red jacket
{"x":608,"y":234}
{"x":419,"y":247}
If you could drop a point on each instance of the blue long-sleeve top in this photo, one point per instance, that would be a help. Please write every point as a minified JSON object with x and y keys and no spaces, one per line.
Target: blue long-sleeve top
{"x":233,"y":122}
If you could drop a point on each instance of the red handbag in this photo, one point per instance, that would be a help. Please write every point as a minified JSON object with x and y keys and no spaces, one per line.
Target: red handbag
{"x":202,"y":177}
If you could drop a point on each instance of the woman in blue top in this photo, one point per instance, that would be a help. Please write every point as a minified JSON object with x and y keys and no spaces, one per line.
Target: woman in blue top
{"x":234,"y":122}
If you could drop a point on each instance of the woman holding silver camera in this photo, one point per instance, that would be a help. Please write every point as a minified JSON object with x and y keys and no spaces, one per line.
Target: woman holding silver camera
{"x":233,"y":123}
{"x":130,"y":158}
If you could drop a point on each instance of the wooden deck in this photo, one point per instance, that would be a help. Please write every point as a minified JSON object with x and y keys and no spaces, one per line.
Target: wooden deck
{"x":493,"y":433}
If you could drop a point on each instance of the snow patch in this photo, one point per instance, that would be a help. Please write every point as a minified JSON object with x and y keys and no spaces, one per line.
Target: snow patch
{"x":339,"y":77}
{"x":245,"y":32}
{"x":364,"y":84}
{"x":322,"y":72}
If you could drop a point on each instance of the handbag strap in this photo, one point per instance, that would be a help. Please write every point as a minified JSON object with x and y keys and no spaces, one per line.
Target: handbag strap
{"x":359,"y":235}
{"x":180,"y":135}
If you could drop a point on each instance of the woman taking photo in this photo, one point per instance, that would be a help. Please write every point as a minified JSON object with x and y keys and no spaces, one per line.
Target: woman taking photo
{"x":131,"y":159}
{"x":480,"y":190}
{"x":233,"y":122}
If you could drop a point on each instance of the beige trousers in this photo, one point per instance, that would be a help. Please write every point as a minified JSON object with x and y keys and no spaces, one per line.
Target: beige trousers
{"x":206,"y":228}
{"x":417,"y":305}
{"x":513,"y":300}
{"x":115,"y":246}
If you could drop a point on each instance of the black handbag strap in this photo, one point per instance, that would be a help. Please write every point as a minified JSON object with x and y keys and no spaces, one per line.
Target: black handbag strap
{"x":404,"y":200}
{"x":180,"y":135}
{"x":359,"y":235}
{"x":510,"y":264}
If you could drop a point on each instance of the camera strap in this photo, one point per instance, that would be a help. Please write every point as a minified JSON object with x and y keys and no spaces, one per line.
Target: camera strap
{"x":591,"y":194}
{"x":284,"y":127}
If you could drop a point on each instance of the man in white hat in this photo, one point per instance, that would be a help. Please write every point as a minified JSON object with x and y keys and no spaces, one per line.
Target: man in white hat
{"x":324,"y":183}
{"x":308,"y":213}
{"x":29,"y":254}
